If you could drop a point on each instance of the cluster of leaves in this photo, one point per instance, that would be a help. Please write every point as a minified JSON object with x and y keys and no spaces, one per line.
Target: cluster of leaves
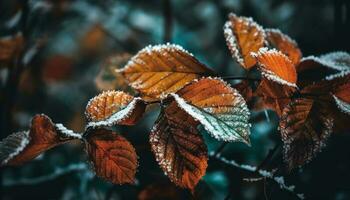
{"x":191,"y":94}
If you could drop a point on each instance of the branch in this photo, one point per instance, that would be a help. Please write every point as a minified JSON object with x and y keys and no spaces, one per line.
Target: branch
{"x":263,"y":173}
{"x":37,"y":180}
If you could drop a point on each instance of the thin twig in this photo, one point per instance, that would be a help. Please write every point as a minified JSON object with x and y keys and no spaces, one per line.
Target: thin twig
{"x":263,"y":173}
{"x":268,"y":157}
{"x":220,"y":149}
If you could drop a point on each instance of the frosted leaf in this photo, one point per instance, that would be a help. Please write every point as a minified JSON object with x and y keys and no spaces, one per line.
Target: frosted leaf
{"x":12,"y":145}
{"x":126,"y":116}
{"x":305,"y":127}
{"x":243,"y":36}
{"x":275,"y":66}
{"x":342,"y":105}
{"x":218,"y":107}
{"x":162,"y":69}
{"x":178,"y":147}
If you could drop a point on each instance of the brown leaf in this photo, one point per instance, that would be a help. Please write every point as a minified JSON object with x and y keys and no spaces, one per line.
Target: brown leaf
{"x":21,"y":147}
{"x":159,"y":191}
{"x":57,"y":67}
{"x":10,"y":48}
{"x":273,"y":95}
{"x":93,"y":40}
{"x":112,"y":156}
{"x":162,"y":69}
{"x":243,"y":36}
{"x":285,"y":44}
{"x":179,"y":147}
{"x":305,"y":126}
{"x":244,"y":89}
{"x":114,"y":107}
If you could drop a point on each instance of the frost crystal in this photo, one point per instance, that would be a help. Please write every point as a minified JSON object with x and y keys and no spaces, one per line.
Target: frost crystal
{"x":67,"y":132}
{"x":342,"y":105}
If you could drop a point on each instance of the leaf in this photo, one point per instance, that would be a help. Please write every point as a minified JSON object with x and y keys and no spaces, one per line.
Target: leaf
{"x":114,"y":107}
{"x":218,"y":107}
{"x":10,"y":47}
{"x":108,"y":78}
{"x":275,"y":66}
{"x":112,"y":156}
{"x":285,"y":44}
{"x":244,"y":89}
{"x":274,"y":95}
{"x":57,"y":68}
{"x":243,"y":36}
{"x":341,"y":95}
{"x":160,"y":191}
{"x":178,"y":147}
{"x":305,"y":127}
{"x":21,"y":147}
{"x":162,"y":69}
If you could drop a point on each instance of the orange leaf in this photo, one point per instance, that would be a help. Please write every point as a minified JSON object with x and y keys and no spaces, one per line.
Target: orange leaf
{"x":273,"y":95}
{"x":179,"y":147}
{"x":10,"y":48}
{"x":275,"y":66}
{"x":218,"y":107}
{"x":162,"y":69}
{"x":21,"y":147}
{"x":112,"y":156}
{"x":285,"y":44}
{"x":243,"y":36}
{"x":304,"y":126}
{"x":114,"y":107}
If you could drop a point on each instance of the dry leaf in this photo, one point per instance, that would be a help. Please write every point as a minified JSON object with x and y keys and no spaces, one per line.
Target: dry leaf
{"x":243,"y":36}
{"x":112,"y":156}
{"x":10,"y":48}
{"x":21,"y":147}
{"x":218,"y":107}
{"x":162,"y":69}
{"x":285,"y":44}
{"x":305,"y":127}
{"x":114,"y":107}
{"x":179,"y":147}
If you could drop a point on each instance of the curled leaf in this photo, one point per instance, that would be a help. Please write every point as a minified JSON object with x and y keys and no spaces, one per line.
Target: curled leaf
{"x":114,"y":107}
{"x":21,"y":147}
{"x":285,"y":44}
{"x":243,"y":36}
{"x":162,"y":69}
{"x":179,"y":147}
{"x":305,"y":127}
{"x":218,"y":107}
{"x":112,"y":156}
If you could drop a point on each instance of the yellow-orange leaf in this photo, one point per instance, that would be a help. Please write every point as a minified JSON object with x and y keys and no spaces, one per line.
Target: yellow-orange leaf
{"x":162,"y":69}
{"x":21,"y":147}
{"x":305,"y":127}
{"x":275,"y":66}
{"x":112,"y":156}
{"x":179,"y":147}
{"x":285,"y":44}
{"x":114,"y":107}
{"x":243,"y":36}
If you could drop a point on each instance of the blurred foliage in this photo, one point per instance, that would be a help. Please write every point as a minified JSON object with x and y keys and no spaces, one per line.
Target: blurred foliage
{"x":67,"y":45}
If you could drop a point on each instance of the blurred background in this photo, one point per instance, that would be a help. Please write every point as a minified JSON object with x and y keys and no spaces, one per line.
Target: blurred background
{"x":68,"y":46}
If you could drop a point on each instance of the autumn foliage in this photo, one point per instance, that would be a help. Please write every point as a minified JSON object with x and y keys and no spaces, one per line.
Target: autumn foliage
{"x":311,"y":96}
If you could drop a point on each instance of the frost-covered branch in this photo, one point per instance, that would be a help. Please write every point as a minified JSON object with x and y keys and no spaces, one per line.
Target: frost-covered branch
{"x":57,"y":173}
{"x":263,"y":173}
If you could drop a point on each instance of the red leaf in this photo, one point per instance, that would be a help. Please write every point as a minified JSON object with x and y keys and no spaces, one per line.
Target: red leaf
{"x":112,"y":156}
